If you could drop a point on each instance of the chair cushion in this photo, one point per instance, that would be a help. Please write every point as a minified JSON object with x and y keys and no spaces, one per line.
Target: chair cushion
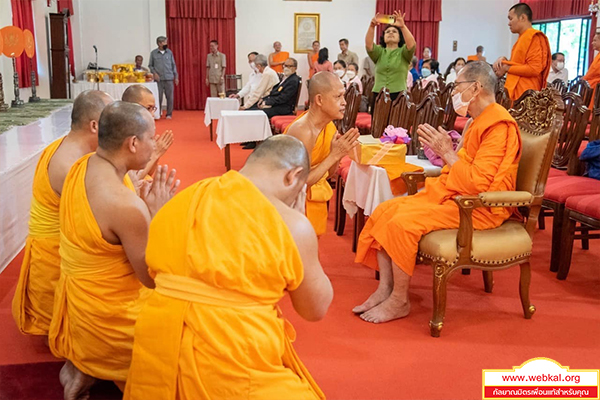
{"x":344,"y":167}
{"x":363,"y":124}
{"x":587,"y":205}
{"x":557,"y":173}
{"x":560,"y":189}
{"x":362,"y":115}
{"x":515,"y":240}
{"x":459,"y":124}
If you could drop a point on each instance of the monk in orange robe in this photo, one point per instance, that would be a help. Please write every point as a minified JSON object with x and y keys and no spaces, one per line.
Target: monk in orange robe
{"x":313,"y":57}
{"x":277,"y":58}
{"x":531,"y":58}
{"x":103,"y":236}
{"x":40,"y":270}
{"x":223,"y":253}
{"x":487,"y":161}
{"x":593,"y":74}
{"x":478,"y":56}
{"x":326,"y":147}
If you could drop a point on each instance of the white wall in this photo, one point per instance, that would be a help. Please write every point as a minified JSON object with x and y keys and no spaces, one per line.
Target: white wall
{"x":473,"y":23}
{"x":259,"y":23}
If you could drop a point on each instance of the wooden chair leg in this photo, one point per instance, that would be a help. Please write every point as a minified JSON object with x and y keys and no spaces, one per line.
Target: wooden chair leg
{"x":585,"y":243}
{"x":439,"y":300}
{"x":528,"y":308}
{"x":557,"y":225}
{"x":542,"y":219}
{"x":359,"y":223}
{"x":568,"y":234}
{"x":340,"y":211}
{"x":488,"y":281}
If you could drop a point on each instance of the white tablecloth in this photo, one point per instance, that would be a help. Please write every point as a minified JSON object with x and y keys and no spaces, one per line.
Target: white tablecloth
{"x":367,"y":186}
{"x":214,"y":106}
{"x":115,"y":90}
{"x":20,"y":149}
{"x":242,"y":126}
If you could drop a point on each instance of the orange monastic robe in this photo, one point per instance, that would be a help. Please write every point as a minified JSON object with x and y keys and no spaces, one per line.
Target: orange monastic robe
{"x":98,"y":296}
{"x":320,"y":193}
{"x":488,"y":162}
{"x":593,"y":76}
{"x":222,"y":258}
{"x":279,"y":57}
{"x":312,"y":71}
{"x":530,"y":64}
{"x":34,"y":297}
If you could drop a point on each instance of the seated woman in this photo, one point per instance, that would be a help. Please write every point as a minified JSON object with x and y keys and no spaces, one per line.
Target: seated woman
{"x":340,"y":68}
{"x":352,"y":76}
{"x":429,"y":72}
{"x":456,"y":66}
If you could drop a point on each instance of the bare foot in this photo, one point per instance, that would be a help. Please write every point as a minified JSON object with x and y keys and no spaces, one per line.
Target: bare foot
{"x":390,"y":309}
{"x":382,"y":293}
{"x":78,"y":388}
{"x":66,"y":374}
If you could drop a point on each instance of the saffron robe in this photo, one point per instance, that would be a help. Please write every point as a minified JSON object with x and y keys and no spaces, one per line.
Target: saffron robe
{"x":489,"y":160}
{"x":320,"y":193}
{"x":277,"y":58}
{"x":530,"y":63}
{"x":40,"y":270}
{"x":222,"y":258}
{"x":315,"y":59}
{"x":593,"y":77}
{"x":98,"y":296}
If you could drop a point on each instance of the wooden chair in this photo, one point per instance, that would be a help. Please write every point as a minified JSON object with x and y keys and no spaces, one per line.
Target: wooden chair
{"x":429,"y":111}
{"x":559,"y":85}
{"x":597,"y":96}
{"x":572,"y":133}
{"x":446,"y":103}
{"x":416,"y":93}
{"x":502,"y":97}
{"x":441,"y":81}
{"x":381,"y":113}
{"x":298,"y":96}
{"x":353,"y":99}
{"x":402,"y":113}
{"x":582,"y":88}
{"x":447,"y":251}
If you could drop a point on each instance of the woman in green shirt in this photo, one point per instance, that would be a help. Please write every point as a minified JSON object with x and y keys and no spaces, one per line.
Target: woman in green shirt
{"x":392,"y":56}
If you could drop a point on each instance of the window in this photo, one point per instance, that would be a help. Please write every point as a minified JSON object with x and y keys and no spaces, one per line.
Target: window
{"x":570,"y":37}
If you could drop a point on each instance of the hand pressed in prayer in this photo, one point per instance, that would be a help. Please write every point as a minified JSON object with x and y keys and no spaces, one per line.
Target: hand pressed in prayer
{"x":162,"y":188}
{"x":438,"y":140}
{"x":138,"y":178}
{"x":399,"y":19}
{"x":163,"y":142}
{"x":342,"y":145}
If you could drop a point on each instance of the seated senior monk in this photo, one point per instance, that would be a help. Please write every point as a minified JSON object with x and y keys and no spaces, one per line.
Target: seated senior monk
{"x":34,"y":297}
{"x":315,"y":128}
{"x":104,"y":232}
{"x":143,"y":96}
{"x":487,"y":161}
{"x":212,"y":328}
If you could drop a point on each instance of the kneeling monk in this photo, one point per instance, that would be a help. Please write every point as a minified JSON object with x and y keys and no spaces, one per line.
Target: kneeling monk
{"x":487,"y":161}
{"x":34,"y":297}
{"x":223,"y":253}
{"x":104,"y":232}
{"x":316,"y":130}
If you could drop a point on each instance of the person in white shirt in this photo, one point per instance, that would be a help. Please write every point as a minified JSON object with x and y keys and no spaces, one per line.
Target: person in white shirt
{"x":253,"y":79}
{"x":352,"y":75}
{"x":454,"y":68}
{"x":339,"y":68}
{"x":267,"y":81}
{"x":429,"y":71}
{"x":558,"y":70}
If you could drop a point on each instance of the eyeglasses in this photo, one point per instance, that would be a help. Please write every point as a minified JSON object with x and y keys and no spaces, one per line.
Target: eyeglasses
{"x":151,"y":108}
{"x":289,"y":66}
{"x":458,"y":83}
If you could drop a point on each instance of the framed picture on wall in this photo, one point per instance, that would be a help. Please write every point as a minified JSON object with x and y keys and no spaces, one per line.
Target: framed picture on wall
{"x":306,"y":31}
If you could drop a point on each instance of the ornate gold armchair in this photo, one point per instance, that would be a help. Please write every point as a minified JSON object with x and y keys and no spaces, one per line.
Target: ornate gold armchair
{"x":540,"y":119}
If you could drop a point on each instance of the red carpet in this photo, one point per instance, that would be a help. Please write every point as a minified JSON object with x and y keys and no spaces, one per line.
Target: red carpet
{"x":352,"y":359}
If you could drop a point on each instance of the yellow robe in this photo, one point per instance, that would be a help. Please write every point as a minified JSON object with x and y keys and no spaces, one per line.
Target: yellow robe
{"x":488,"y":161}
{"x":222,"y":257}
{"x":98,"y":296}
{"x":279,"y":57}
{"x":320,"y":193}
{"x":593,"y":77}
{"x":34,"y":296}
{"x":530,"y":63}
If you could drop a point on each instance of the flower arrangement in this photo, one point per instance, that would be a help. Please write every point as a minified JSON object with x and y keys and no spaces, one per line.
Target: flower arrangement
{"x":395,"y":135}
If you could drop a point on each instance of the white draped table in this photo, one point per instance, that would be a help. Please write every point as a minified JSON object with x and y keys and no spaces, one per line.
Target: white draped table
{"x":115,"y":90}
{"x":213,"y":108}
{"x":241,"y":127}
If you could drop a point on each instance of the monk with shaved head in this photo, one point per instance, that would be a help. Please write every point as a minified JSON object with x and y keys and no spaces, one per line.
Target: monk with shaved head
{"x":103,"y":236}
{"x":223,"y":253}
{"x":143,"y":96}
{"x":326,"y":146}
{"x":34,"y":298}
{"x":487,"y":161}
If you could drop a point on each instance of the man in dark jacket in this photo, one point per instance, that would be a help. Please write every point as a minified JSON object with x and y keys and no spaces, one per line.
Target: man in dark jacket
{"x":282,"y":99}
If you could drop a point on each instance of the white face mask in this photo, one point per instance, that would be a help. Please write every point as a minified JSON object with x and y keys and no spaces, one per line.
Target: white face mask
{"x":560,"y":66}
{"x":253,"y":66}
{"x":339,"y":72}
{"x":287,"y":71}
{"x":426,"y":72}
{"x":350,"y":74}
{"x":461,"y":107}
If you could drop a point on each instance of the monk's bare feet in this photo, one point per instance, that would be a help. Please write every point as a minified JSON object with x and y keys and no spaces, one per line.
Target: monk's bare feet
{"x":78,"y":388}
{"x":382,"y":293}
{"x":66,"y":374}
{"x":391,"y":308}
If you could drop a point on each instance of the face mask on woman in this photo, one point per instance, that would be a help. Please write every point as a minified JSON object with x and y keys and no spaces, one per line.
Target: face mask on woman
{"x":350,"y":74}
{"x":425,"y":72}
{"x":339,"y":72}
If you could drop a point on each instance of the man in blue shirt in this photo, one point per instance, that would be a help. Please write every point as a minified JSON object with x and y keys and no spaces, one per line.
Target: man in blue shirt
{"x":162,"y":65}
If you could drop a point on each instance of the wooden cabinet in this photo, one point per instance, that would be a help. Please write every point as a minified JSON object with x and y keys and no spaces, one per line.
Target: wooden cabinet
{"x":59,"y":56}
